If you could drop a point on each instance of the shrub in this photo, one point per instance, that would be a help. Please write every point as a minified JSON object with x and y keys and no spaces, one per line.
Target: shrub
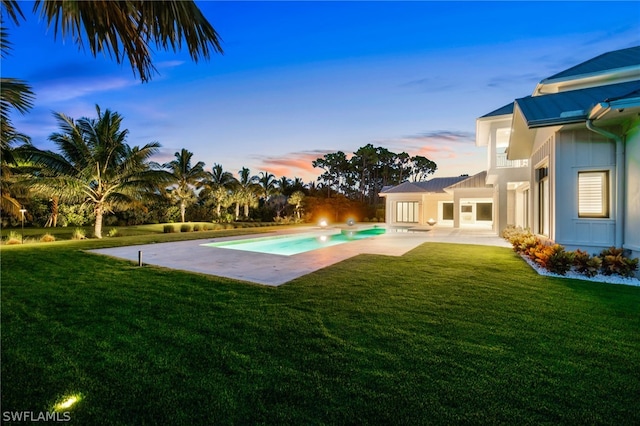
{"x":196,"y":227}
{"x":560,"y":261}
{"x":585,"y":264}
{"x":14,"y":238}
{"x":168,"y":229}
{"x":614,"y":262}
{"x":185,"y":227}
{"x":205,"y":227}
{"x":78,"y":234}
{"x":47,"y":238}
{"x":113,"y":232}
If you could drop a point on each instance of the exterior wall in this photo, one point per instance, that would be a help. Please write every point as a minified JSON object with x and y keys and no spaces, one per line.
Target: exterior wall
{"x":632,"y":205}
{"x":472,"y":196}
{"x":543,"y":156}
{"x":427,"y":207}
{"x":390,"y":206}
{"x":500,"y":173}
{"x":576,"y":151}
{"x":432,"y":211}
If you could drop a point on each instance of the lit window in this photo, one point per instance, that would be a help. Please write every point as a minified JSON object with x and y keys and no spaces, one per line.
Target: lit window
{"x":593,"y":194}
{"x":407,"y":211}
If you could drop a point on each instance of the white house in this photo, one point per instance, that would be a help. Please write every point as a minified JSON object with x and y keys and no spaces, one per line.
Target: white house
{"x":461,"y":201}
{"x":565,"y":161}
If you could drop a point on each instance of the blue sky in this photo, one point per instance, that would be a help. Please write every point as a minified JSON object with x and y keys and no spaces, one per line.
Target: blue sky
{"x":300,"y":79}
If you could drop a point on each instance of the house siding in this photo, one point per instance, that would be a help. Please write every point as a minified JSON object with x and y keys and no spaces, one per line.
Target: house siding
{"x":632,"y":172}
{"x":576,"y":151}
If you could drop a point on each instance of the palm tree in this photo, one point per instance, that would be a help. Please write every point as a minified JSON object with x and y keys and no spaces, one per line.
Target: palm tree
{"x":216,"y":186}
{"x":267,"y":183}
{"x":296,"y":200}
{"x":96,"y":165}
{"x":129,"y":29}
{"x":244,"y":190}
{"x":185,"y":177}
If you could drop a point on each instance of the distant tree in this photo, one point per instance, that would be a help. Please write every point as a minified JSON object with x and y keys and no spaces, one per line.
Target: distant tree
{"x":422,"y":167}
{"x":186,"y":178}
{"x":268,"y":185}
{"x":244,"y":191}
{"x":296,"y":200}
{"x":336,"y":168}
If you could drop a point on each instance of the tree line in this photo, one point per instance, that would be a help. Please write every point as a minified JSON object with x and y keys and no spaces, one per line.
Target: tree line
{"x":369,"y":170}
{"x":96,"y":176}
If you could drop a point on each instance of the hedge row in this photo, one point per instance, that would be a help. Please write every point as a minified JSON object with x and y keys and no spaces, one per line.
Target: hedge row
{"x":554,"y":258}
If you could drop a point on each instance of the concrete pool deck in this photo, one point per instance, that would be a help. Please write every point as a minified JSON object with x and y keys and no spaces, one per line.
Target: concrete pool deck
{"x":274,"y":270}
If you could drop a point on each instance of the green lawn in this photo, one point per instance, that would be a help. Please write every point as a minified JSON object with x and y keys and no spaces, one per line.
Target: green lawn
{"x":446,"y":334}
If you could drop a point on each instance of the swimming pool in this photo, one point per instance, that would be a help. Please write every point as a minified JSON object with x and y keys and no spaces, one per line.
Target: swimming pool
{"x":289,"y":245}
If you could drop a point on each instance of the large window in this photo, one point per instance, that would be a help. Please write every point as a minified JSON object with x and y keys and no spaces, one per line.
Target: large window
{"x":447,"y":211}
{"x":484,"y":211}
{"x":407,"y":211}
{"x":593,"y":194}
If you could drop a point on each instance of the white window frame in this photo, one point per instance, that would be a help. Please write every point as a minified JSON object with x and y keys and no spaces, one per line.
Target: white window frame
{"x":593,"y":194}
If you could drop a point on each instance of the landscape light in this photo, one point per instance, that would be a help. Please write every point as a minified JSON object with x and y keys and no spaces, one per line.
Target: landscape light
{"x":67,"y":403}
{"x":323,"y":223}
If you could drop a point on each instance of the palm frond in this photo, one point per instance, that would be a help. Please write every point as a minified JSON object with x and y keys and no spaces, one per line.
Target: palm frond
{"x":127,"y":28}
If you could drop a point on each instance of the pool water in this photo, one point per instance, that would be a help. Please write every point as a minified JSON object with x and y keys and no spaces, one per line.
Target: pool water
{"x":294,"y":244}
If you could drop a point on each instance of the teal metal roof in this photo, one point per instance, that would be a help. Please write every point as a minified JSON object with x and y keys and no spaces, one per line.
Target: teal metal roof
{"x":507,"y":109}
{"x":571,"y":106}
{"x":606,"y":62}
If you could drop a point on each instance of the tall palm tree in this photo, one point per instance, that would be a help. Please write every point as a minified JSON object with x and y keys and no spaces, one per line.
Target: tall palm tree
{"x":268,"y":185}
{"x":244,"y":190}
{"x":185,"y":178}
{"x":217,"y":186}
{"x":95,"y":165}
{"x":129,"y":29}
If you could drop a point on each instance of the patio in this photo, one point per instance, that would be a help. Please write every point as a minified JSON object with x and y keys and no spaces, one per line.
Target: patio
{"x":274,"y":270}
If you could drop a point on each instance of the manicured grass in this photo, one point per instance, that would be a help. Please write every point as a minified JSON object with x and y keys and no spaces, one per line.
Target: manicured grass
{"x":446,"y":334}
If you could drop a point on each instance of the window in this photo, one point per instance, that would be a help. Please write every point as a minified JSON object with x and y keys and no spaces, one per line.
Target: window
{"x":542,"y":176}
{"x":484,"y":211}
{"x":447,"y":211}
{"x":466,"y":208}
{"x":407,"y":211}
{"x":593,"y":194}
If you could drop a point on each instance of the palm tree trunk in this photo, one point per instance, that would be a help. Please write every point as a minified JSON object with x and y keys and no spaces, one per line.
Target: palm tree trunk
{"x":53,"y":215}
{"x":97,"y":229}
{"x":246,"y":210}
{"x":183,"y":207}
{"x":237,"y":210}
{"x":218,"y":209}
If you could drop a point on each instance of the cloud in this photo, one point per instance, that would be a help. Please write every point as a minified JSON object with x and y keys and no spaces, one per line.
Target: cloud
{"x":429,"y":84}
{"x":168,"y":64}
{"x":293,"y":164}
{"x":65,"y":89}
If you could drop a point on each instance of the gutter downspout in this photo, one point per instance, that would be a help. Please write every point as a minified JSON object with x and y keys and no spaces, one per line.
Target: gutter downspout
{"x":620,"y":169}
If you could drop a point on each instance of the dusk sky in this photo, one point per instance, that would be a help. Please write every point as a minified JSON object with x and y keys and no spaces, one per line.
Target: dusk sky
{"x":301,"y":79}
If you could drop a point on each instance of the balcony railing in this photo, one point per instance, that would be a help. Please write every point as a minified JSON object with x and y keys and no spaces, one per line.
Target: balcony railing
{"x":502,"y":162}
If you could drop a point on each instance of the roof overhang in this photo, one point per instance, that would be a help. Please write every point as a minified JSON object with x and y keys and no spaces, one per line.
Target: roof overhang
{"x":522,"y":138}
{"x":556,"y":85}
{"x":484,"y":125}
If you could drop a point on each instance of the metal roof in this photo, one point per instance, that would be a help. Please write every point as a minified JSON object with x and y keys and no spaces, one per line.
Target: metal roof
{"x":433,"y":185}
{"x":507,"y":109}
{"x":571,"y":106}
{"x":475,"y":181}
{"x":607,"y":61}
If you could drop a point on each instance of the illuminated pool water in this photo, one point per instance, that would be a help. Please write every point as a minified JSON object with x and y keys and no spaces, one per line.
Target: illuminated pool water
{"x":294,"y":244}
